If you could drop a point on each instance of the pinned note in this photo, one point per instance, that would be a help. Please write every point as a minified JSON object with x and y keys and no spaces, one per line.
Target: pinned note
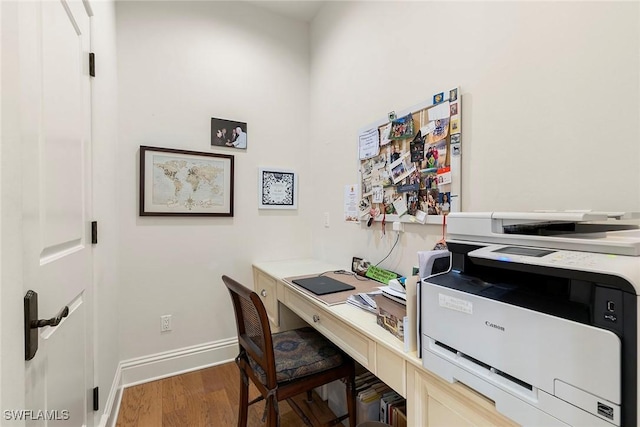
{"x":369,"y":146}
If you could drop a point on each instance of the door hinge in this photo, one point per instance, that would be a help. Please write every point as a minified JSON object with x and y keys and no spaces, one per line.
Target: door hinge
{"x":92,"y":64}
{"x":96,"y":402}
{"x":94,"y":232}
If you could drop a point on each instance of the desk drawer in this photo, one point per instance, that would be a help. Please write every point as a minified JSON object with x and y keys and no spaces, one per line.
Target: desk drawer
{"x":265,"y":286}
{"x":353,"y":343}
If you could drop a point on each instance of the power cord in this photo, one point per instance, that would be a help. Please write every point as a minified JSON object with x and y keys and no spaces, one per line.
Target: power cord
{"x":345,"y":272}
{"x":392,"y":248}
{"x":351,"y":273}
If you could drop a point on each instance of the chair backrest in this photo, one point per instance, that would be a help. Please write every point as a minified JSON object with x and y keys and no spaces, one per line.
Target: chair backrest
{"x":254,"y":331}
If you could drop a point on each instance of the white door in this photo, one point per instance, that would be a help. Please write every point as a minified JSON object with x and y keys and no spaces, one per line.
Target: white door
{"x":55,"y":134}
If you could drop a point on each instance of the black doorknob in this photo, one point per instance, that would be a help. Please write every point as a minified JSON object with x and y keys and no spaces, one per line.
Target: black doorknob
{"x":54,"y":321}
{"x":32,"y":323}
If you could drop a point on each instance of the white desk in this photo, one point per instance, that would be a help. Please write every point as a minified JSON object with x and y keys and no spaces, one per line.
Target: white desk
{"x":430,"y":400}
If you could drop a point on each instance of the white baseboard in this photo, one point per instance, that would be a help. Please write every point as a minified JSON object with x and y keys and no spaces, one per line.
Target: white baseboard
{"x":109,"y":416}
{"x":162,"y":365}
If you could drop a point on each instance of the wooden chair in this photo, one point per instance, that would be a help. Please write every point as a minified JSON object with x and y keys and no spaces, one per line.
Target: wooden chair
{"x":285,"y":364}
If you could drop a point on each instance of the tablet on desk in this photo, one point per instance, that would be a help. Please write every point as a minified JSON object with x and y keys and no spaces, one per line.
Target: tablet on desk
{"x":322,"y":285}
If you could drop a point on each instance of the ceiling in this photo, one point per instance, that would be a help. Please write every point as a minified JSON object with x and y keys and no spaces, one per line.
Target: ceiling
{"x":301,"y":10}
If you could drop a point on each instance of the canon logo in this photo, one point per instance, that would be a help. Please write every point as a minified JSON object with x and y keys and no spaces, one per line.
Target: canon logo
{"x":493,"y":325}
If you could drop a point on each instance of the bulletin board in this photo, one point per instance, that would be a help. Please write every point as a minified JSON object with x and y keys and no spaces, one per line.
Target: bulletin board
{"x":410,"y":162}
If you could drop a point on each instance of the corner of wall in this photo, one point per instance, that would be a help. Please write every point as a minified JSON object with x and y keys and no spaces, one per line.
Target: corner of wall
{"x":163,"y":365}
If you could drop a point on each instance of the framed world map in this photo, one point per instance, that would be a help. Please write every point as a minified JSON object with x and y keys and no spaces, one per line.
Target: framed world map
{"x":180,"y":182}
{"x":277,"y":189}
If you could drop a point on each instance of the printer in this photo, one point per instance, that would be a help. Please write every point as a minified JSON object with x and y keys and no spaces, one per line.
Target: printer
{"x":539,"y":312}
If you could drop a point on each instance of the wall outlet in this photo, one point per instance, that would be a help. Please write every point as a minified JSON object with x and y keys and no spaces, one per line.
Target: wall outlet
{"x":165,"y":323}
{"x":326,"y":219}
{"x":397,"y":226}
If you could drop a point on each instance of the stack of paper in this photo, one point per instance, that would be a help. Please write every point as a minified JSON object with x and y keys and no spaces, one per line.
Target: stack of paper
{"x":397,"y":296}
{"x":361,"y":301}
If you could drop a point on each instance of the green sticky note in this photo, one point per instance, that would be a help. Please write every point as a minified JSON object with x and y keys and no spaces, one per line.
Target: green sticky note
{"x":380,"y":275}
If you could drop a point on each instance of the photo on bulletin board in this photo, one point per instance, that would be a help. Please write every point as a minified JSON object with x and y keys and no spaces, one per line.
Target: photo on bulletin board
{"x":228,"y":133}
{"x":277,"y":189}
{"x":415,"y":175}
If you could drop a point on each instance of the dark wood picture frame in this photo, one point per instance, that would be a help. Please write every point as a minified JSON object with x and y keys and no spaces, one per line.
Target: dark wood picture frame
{"x":185,"y":183}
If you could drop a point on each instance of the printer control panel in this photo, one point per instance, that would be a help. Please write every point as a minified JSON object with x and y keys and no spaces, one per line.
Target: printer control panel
{"x":580,"y":259}
{"x":538,"y":256}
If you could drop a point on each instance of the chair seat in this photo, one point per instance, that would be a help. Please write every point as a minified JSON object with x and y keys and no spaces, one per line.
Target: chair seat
{"x":298,"y":353}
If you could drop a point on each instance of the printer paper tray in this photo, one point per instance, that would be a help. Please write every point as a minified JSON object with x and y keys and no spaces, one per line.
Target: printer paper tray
{"x":527,"y":409}
{"x":531,"y":346}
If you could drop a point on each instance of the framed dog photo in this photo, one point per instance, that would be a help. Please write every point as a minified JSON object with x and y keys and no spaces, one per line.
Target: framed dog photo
{"x":277,"y":189}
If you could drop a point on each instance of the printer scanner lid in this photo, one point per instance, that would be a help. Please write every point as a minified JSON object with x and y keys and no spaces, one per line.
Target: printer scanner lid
{"x":586,"y":231}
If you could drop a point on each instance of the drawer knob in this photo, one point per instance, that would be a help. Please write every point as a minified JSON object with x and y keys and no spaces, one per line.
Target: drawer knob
{"x":316,"y":318}
{"x":263,"y":292}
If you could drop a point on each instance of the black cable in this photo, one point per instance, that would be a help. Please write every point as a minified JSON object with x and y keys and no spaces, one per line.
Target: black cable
{"x":356,"y":275}
{"x":349,"y":273}
{"x":392,"y":248}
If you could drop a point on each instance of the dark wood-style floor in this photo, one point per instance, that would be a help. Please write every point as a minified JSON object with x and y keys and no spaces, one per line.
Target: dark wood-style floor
{"x":208,"y":397}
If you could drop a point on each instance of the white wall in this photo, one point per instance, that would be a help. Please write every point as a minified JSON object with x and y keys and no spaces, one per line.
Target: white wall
{"x":550,"y":105}
{"x":550,"y":96}
{"x":104,"y":89}
{"x":179,"y":65}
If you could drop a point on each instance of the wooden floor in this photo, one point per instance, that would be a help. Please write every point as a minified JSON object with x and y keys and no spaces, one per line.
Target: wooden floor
{"x":208,"y":397}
